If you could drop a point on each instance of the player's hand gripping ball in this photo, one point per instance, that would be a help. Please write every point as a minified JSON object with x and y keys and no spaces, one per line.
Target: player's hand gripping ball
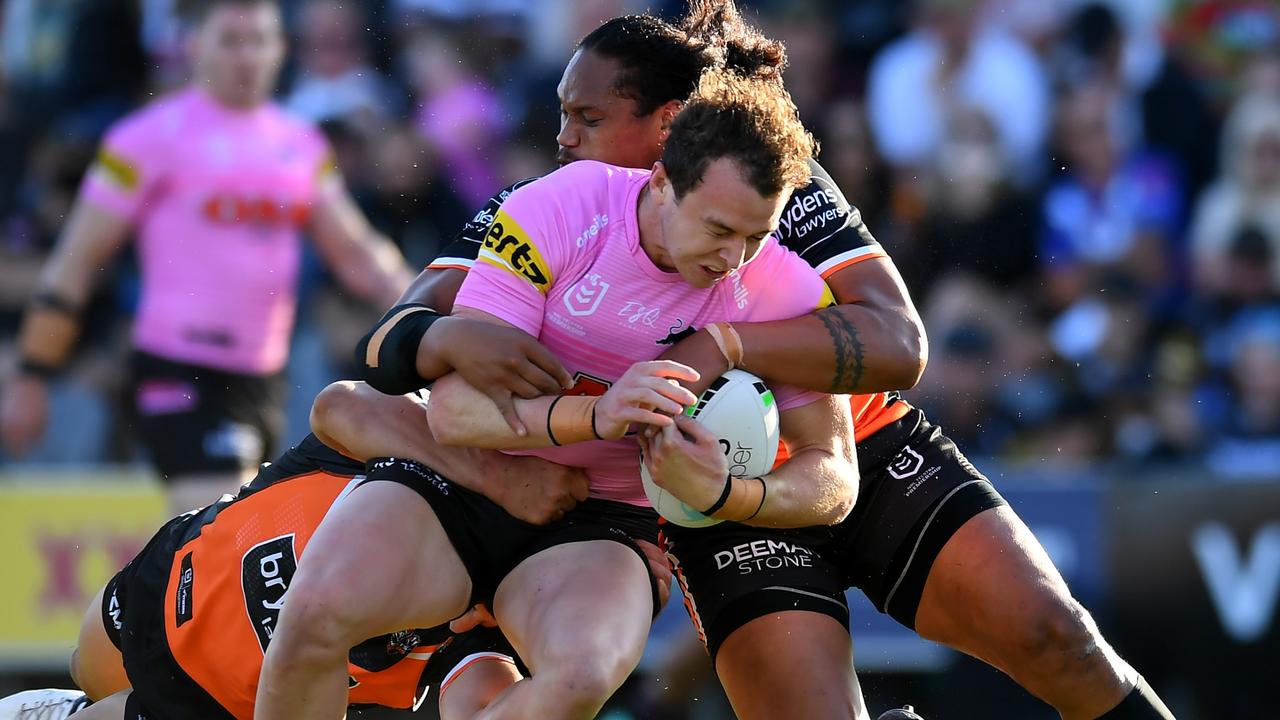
{"x":740,"y":411}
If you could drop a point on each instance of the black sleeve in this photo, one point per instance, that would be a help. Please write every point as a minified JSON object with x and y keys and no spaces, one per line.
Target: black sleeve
{"x":822,"y":227}
{"x":463,"y":249}
{"x":393,"y":367}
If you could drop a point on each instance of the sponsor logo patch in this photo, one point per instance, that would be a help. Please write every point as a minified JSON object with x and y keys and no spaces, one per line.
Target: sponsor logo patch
{"x":585,"y":297}
{"x":185,"y":597}
{"x":508,"y":246}
{"x":117,"y":170}
{"x":265,"y":575}
{"x":906,"y":464}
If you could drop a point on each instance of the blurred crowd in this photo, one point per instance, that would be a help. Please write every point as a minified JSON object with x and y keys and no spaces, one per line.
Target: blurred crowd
{"x":1083,"y":197}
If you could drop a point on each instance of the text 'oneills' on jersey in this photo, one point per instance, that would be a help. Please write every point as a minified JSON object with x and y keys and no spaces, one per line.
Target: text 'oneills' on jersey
{"x":508,"y":246}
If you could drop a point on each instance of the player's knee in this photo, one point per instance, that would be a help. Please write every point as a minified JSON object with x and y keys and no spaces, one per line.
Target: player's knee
{"x":323,"y":613}
{"x":1057,"y":634}
{"x":583,"y":684}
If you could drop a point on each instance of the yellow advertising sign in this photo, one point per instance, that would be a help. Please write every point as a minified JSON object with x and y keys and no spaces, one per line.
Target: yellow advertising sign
{"x":63,"y":537}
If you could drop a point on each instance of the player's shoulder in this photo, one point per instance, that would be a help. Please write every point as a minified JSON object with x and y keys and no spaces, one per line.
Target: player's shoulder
{"x":292,"y":123}
{"x":158,"y":121}
{"x":580,"y":176}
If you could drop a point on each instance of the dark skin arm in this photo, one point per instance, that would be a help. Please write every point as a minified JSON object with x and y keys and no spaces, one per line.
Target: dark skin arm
{"x":873,"y":341}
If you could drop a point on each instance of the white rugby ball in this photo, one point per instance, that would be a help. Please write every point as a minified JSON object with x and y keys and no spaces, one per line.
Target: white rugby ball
{"x":742,"y":413}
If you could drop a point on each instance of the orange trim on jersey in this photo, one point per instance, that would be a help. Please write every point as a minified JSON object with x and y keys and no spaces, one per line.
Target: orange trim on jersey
{"x":870,"y":414}
{"x":873,"y":412}
{"x":852,"y":261}
{"x":449,"y":266}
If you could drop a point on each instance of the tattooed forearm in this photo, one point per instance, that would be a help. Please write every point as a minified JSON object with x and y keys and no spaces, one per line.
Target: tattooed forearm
{"x":848,"y":351}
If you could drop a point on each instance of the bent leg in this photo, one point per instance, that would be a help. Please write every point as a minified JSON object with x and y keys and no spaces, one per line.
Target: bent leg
{"x":793,"y":664}
{"x":475,"y":687}
{"x":579,"y":615}
{"x":379,"y":562}
{"x":994,"y":593}
{"x":96,"y":664}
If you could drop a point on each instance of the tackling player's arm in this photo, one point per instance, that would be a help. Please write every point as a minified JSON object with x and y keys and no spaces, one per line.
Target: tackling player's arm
{"x":366,"y":262}
{"x":91,"y":238}
{"x":817,"y":485}
{"x":460,"y":414}
{"x":872,"y":341}
{"x":379,"y":425}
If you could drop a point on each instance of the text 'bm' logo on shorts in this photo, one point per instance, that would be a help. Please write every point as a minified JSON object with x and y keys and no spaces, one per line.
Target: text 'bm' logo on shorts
{"x":265,"y":575}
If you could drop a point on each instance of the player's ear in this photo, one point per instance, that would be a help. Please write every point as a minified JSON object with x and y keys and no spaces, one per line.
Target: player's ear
{"x":659,"y":183}
{"x":667,"y":115}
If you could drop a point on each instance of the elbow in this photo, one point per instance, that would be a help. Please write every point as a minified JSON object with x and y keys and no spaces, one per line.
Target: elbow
{"x":910,"y":357}
{"x":844,"y":502}
{"x":847,"y":481}
{"x":443,"y":412}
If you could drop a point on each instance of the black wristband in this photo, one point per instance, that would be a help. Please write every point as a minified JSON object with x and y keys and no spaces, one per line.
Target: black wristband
{"x":30,"y":367}
{"x":594,"y":431}
{"x":52,"y":301}
{"x":724,"y":497}
{"x":764,"y":492}
{"x":551,"y":409}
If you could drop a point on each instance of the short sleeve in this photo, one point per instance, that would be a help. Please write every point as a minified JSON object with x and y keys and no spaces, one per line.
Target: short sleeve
{"x":821,"y":226}
{"x":129,"y":166}
{"x":523,"y":249}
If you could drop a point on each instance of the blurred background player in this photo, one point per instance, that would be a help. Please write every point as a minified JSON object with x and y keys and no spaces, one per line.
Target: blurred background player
{"x":219,"y":184}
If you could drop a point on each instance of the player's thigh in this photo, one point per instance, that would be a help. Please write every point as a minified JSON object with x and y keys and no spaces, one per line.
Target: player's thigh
{"x":990,"y":586}
{"x":380,"y":562}
{"x":794,"y":664}
{"x":589,"y":603}
{"x":96,"y":664}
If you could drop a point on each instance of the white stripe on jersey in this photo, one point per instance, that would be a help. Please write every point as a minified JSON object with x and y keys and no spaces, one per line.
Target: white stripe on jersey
{"x":452,"y":261}
{"x":848,"y":255}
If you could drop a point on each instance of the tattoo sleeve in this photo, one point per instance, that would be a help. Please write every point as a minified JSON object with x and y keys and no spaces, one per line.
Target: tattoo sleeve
{"x":848,"y":349}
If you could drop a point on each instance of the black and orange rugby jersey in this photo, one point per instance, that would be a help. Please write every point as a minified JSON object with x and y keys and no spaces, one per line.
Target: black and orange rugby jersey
{"x":233,"y":566}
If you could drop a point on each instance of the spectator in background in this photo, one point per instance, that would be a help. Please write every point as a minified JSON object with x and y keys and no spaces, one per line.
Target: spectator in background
{"x":459,"y":112}
{"x":1244,"y":198}
{"x":978,"y":222}
{"x":336,"y":79}
{"x":1112,"y":220}
{"x":1245,"y":441}
{"x":1157,"y":105}
{"x":950,"y":60}
{"x":1108,"y":248}
{"x":410,"y":199}
{"x":849,"y":155}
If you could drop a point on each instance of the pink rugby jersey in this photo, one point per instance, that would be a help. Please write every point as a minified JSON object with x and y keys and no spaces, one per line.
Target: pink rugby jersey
{"x":563,"y":262}
{"x":218,"y":198}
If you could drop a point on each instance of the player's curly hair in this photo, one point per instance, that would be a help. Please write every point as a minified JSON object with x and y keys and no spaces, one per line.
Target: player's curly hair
{"x":751,"y":120}
{"x":662,"y":62}
{"x":742,"y":49}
